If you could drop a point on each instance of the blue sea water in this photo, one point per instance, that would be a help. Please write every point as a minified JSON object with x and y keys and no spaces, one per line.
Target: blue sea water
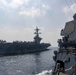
{"x":28,"y":64}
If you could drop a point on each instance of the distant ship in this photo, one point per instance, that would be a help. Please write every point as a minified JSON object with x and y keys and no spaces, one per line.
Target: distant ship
{"x":16,"y":47}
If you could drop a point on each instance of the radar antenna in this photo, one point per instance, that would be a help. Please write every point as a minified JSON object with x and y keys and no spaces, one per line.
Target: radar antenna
{"x":37,"y":31}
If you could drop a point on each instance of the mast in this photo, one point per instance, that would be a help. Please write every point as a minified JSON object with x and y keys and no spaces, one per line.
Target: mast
{"x":37,"y":39}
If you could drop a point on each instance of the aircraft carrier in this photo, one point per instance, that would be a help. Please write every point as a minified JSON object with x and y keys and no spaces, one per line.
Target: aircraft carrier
{"x":16,"y":47}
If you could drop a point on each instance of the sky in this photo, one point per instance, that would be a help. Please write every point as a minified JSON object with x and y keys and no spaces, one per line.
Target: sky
{"x":19,"y":18}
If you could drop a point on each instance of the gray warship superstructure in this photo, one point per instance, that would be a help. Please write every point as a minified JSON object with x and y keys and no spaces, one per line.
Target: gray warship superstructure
{"x":65,"y":56}
{"x":16,"y":47}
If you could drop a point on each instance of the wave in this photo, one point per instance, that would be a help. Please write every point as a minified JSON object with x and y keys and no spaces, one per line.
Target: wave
{"x":46,"y":72}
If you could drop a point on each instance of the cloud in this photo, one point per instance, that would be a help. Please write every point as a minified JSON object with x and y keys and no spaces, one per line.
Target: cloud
{"x":18,"y":3}
{"x":31,"y":12}
{"x":46,"y":6}
{"x":71,"y":9}
{"x":32,"y":8}
{"x":3,"y":3}
{"x":13,"y":3}
{"x":35,"y":11}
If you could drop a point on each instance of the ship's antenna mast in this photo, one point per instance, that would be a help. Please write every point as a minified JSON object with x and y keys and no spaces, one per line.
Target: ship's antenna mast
{"x":37,"y":31}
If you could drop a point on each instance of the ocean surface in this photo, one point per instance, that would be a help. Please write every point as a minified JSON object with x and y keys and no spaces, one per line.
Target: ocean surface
{"x":28,"y":64}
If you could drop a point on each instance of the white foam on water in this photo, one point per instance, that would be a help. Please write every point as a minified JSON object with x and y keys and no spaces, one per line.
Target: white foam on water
{"x":46,"y":72}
